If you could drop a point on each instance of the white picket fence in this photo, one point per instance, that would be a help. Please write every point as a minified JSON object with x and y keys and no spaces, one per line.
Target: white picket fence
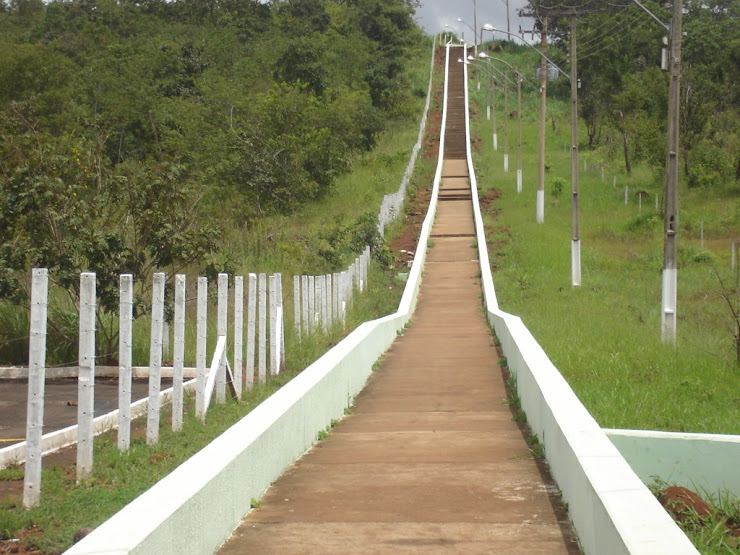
{"x":206,"y":383}
{"x":320,"y":302}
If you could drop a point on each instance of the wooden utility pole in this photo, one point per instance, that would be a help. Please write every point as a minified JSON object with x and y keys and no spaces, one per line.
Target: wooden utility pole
{"x":670,"y":248}
{"x":576,"y":239}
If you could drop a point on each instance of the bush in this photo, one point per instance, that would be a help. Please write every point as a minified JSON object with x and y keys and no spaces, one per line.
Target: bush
{"x":557,"y":186}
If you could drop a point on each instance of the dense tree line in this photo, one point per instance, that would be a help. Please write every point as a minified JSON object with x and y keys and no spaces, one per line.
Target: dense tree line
{"x":623,"y":98}
{"x":131,"y":130}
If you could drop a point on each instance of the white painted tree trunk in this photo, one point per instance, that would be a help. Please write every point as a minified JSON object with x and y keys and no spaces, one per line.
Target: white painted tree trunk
{"x":178,"y":363}
{"x":36,"y":381}
{"x":125,"y":349}
{"x":155,"y":360}
{"x":86,"y":378}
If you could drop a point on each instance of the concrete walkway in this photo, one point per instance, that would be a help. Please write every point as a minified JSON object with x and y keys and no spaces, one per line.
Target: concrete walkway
{"x":430,"y":458}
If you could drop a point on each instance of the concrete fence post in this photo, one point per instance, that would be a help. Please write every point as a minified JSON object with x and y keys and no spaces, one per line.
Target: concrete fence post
{"x":329,"y":303}
{"x":297,"y":306}
{"x":262,"y":293}
{"x":125,"y":348}
{"x":200,"y":352}
{"x":222,"y":325}
{"x":251,"y":324}
{"x":281,"y":322}
{"x":304,"y":308}
{"x":273,"y":325}
{"x":321,"y":285}
{"x":155,"y":359}
{"x":238,"y":335}
{"x":178,"y":362}
{"x":626,"y":195}
{"x":312,"y":303}
{"x":86,"y":377}
{"x":36,"y":381}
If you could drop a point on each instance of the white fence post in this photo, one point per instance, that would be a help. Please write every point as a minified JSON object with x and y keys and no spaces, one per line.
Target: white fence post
{"x":125,"y":346}
{"x":200,"y":349}
{"x":281,"y":322}
{"x":329,"y":303}
{"x":251,"y":323}
{"x":238,"y":334}
{"x":178,"y":363}
{"x":36,"y":380}
{"x":262,"y":328}
{"x":86,"y":377}
{"x":297,"y":306}
{"x":223,"y":312}
{"x":312,"y":303}
{"x":626,"y":195}
{"x":273,"y":326}
{"x":321,"y":309}
{"x":155,"y":360}
{"x":304,"y":305}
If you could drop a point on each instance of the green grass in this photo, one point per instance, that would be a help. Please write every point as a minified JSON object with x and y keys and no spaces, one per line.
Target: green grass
{"x":605,"y":335}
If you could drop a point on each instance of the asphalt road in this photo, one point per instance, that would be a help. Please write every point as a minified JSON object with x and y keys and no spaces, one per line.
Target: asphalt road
{"x":60,"y":406}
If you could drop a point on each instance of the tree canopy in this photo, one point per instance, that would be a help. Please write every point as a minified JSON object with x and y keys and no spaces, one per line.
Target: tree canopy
{"x":131,"y":130}
{"x":623,"y":97}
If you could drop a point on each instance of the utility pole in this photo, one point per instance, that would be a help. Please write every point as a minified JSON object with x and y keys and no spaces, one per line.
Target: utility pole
{"x":475,"y":32}
{"x":543,"y":108}
{"x":576,"y":240}
{"x":670,"y":248}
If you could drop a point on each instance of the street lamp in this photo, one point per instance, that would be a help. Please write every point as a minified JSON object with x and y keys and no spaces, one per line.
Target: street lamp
{"x":475,"y":34}
{"x":506,"y":110}
{"x":485,"y":56}
{"x":540,"y":210}
{"x":493,"y":77}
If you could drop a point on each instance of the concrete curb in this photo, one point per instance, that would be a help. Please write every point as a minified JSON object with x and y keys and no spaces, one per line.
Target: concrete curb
{"x":701,"y":462}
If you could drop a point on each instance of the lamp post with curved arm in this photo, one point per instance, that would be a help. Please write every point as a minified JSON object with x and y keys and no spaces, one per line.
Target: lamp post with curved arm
{"x":540,"y":208}
{"x":506,"y":112}
{"x":519,"y":80}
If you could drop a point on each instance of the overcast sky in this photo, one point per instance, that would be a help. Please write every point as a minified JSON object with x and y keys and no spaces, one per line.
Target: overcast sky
{"x":433,"y":15}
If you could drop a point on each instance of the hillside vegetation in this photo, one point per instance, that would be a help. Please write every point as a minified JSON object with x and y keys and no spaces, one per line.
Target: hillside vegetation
{"x":183,"y":136}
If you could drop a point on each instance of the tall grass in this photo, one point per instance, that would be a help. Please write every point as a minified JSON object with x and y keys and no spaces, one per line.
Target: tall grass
{"x":605,"y":335}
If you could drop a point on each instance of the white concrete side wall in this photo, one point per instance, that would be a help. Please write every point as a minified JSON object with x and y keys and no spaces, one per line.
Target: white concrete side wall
{"x":611,"y":509}
{"x":196,"y":507}
{"x":701,"y":462}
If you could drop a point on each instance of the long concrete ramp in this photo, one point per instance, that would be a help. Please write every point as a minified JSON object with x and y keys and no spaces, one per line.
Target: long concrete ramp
{"x":430,"y":459}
